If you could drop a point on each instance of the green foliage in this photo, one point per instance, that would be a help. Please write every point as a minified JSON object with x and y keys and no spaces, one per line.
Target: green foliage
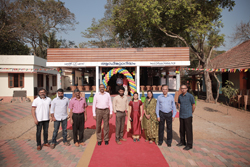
{"x":102,"y":32}
{"x":91,"y":94}
{"x":229,"y":91}
{"x":143,"y":95}
{"x":193,"y":23}
{"x":53,"y":96}
{"x":195,"y":98}
{"x":13,"y":47}
{"x":31,"y":20}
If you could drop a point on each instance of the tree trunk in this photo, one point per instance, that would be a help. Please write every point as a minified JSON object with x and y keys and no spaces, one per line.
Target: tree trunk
{"x":208,"y":84}
{"x":218,"y":87}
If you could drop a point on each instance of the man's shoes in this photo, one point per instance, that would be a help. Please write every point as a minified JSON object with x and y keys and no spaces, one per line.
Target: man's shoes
{"x":169,"y":145}
{"x":187,"y":148}
{"x":39,"y":148}
{"x":179,"y":144}
{"x":77,"y":144}
{"x":99,"y":143}
{"x":46,"y":145}
{"x":159,"y":144}
{"x":122,"y":139}
{"x":52,"y":146}
{"x":82,"y":144}
{"x":134,"y":140}
{"x":118,"y":142}
{"x":106,"y":142}
{"x":66,"y":144}
{"x":138,"y":140}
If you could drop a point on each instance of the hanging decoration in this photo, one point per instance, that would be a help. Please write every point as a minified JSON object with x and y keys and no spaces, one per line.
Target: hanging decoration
{"x":30,"y":69}
{"x":218,"y":69}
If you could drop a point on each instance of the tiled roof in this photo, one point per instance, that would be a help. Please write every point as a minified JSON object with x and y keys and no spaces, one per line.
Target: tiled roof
{"x":117,"y":54}
{"x":237,"y":57}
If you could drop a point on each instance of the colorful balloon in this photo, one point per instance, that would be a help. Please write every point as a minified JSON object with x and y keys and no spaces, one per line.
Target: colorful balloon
{"x":114,"y":71}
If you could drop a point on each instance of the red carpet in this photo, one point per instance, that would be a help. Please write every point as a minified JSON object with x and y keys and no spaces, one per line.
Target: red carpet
{"x":128,"y":154}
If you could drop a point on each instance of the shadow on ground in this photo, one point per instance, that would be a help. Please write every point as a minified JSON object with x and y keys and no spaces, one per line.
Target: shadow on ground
{"x":210,"y":109}
{"x":87,"y":134}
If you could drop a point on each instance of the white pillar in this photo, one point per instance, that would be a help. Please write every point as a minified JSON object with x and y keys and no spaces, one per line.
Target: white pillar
{"x":178,"y":80}
{"x":59,"y":80}
{"x":138,"y":79}
{"x":167,"y":79}
{"x":73,"y":77}
{"x":97,"y":78}
{"x":100,"y":75}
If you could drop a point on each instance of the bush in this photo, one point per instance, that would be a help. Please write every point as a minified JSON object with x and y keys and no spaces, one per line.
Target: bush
{"x":91,"y":94}
{"x":53,"y":96}
{"x":143,"y":95}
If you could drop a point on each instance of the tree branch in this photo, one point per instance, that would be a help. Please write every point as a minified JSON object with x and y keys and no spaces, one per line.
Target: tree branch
{"x":218,"y":87}
{"x":173,"y":35}
{"x":210,"y":53}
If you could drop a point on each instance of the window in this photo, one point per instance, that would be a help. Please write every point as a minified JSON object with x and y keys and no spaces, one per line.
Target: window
{"x":40,"y":80}
{"x":16,"y":80}
{"x":54,"y":80}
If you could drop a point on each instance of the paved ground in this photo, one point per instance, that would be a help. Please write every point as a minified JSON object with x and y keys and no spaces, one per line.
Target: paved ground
{"x":220,"y":139}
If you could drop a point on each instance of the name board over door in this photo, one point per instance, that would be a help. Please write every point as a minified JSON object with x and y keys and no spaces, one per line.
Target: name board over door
{"x":118,"y":64}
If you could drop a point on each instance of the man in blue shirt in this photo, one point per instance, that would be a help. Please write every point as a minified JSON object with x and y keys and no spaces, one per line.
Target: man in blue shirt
{"x":187,"y":107}
{"x":164,"y":107}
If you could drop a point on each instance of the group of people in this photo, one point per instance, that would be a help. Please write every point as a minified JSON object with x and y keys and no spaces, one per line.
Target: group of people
{"x":44,"y":110}
{"x":149,"y":116}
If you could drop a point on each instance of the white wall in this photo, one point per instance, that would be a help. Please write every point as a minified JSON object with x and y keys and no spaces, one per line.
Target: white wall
{"x":67,"y":79}
{"x":28,"y":85}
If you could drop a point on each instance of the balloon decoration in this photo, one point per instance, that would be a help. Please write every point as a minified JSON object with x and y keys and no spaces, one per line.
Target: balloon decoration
{"x":125,"y":73}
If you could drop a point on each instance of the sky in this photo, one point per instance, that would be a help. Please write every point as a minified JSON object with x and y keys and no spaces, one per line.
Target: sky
{"x":86,"y":10}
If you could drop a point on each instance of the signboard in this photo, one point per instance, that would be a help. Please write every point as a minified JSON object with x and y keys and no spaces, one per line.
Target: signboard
{"x":119,"y":64}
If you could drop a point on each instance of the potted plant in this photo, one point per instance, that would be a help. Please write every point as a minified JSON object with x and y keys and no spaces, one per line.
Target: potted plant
{"x":143,"y":96}
{"x":195,"y":99}
{"x":91,"y":97}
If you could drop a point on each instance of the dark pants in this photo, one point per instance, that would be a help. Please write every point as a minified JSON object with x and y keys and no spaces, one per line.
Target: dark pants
{"x":119,"y":125}
{"x":78,"y":124}
{"x":64,"y":130}
{"x":102,"y":114}
{"x":39,"y":126}
{"x":186,"y":129}
{"x":165,"y":117}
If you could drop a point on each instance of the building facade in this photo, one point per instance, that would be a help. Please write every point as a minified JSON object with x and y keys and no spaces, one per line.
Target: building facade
{"x":26,"y":74}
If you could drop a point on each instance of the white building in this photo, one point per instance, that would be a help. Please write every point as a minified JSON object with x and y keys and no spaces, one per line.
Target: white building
{"x":26,"y":73}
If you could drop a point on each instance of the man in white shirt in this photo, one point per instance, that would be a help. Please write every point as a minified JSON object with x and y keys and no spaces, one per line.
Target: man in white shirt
{"x":40,"y":113}
{"x":59,"y":114}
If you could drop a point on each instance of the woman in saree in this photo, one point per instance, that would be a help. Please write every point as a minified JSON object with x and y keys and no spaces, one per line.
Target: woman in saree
{"x":150,"y":123}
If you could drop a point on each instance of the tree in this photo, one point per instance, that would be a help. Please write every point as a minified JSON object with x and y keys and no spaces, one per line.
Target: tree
{"x":192,"y":22}
{"x":67,"y":44}
{"x":30,"y":20}
{"x":13,"y":47}
{"x":242,"y":32}
{"x":229,"y":92}
{"x":102,"y":32}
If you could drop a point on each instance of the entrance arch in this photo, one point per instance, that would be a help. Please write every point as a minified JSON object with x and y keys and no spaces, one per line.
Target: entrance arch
{"x":123,"y":71}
